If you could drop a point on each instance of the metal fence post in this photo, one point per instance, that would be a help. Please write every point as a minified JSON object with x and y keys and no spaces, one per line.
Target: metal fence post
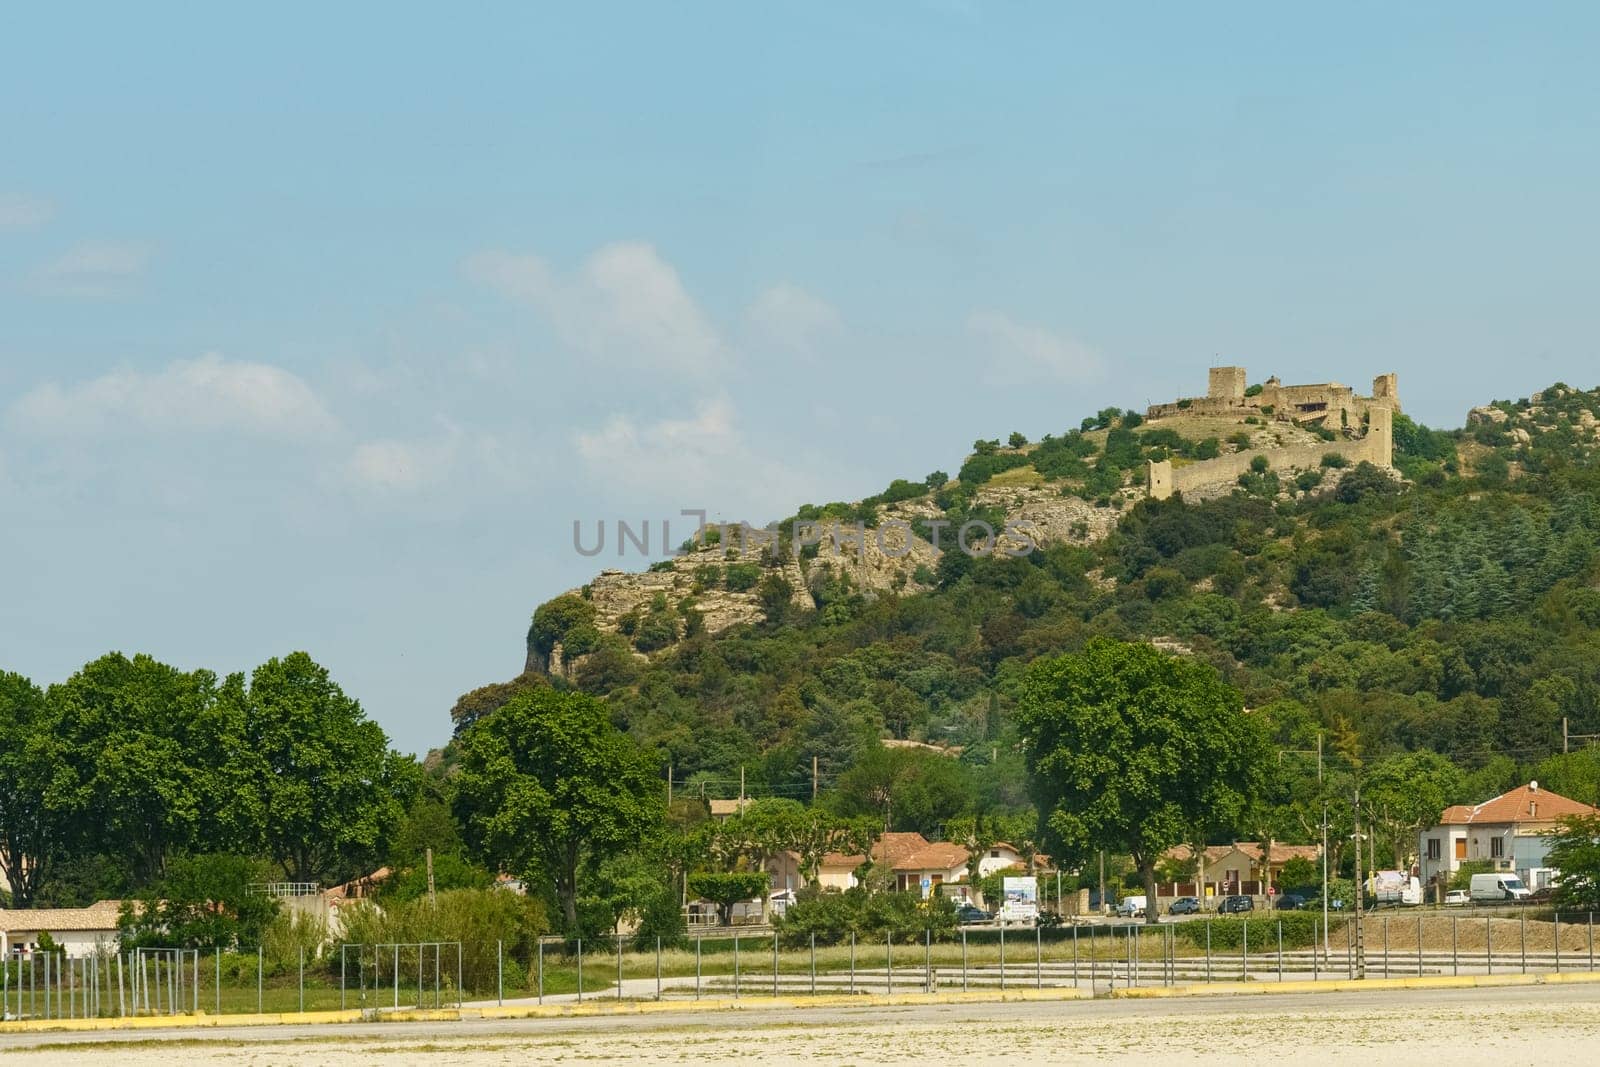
{"x":1488,"y":943}
{"x":1591,"y":945}
{"x":774,"y":963}
{"x":260,"y":980}
{"x":539,"y":977}
{"x":927,"y":960}
{"x":963,"y":961}
{"x":1524,"y":921}
{"x":499,"y":972}
{"x":619,"y":966}
{"x":1244,"y":956}
{"x":888,"y":949}
{"x":1002,"y":955}
{"x":1094,"y":961}
{"x":1316,"y":940}
{"x":1280,"y":950}
{"x":736,"y":966}
{"x":302,"y":980}
{"x":1386,"y":946}
{"x":658,"y":967}
{"x":1419,"y":946}
{"x":1038,"y":956}
{"x":1074,"y":956}
{"x":852,"y":961}
{"x":1455,"y":945}
{"x":813,"y":964}
{"x":1557,"y":920}
{"x":1208,"y":950}
{"x":697,"y":941}
{"x":580,"y":970}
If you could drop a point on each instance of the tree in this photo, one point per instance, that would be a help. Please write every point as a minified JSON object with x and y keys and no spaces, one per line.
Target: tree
{"x":200,"y":902}
{"x":725,"y":889}
{"x":1404,"y":794}
{"x":31,"y":826}
{"x":1575,"y":852}
{"x":1130,"y":750}
{"x":322,"y":781}
{"x":547,"y":784}
{"x":906,"y":788}
{"x":140,"y":742}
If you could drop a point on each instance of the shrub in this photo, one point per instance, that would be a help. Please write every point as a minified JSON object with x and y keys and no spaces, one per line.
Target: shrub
{"x":1228,"y":933}
{"x":1334,"y":460}
{"x":742,"y":577}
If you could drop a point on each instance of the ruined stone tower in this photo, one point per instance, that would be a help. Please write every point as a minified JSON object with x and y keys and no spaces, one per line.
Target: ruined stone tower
{"x":1227,"y":383}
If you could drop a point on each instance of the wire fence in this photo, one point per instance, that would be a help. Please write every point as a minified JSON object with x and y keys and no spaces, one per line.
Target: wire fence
{"x":379,"y":978}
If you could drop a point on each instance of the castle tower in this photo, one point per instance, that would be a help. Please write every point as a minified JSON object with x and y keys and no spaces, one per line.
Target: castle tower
{"x":1159,"y":473}
{"x":1387,"y":387}
{"x":1226,"y":383}
{"x":1380,"y":434}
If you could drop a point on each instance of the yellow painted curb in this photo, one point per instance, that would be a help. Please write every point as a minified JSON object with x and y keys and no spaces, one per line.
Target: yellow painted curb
{"x":1347,"y":985}
{"x":593,"y":1007}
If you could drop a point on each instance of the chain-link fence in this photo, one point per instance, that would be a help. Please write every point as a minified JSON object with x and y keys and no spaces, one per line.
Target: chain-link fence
{"x":1099,"y":957}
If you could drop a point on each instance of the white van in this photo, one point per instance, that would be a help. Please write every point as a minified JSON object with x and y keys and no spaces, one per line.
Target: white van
{"x":1132,"y":907}
{"x":1498,"y":887}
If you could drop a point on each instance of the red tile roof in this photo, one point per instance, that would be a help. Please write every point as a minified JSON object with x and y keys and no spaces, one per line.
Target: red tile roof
{"x":1526,"y":803}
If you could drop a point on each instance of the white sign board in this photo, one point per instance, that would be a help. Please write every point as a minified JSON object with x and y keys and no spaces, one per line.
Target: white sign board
{"x":1021,"y":904}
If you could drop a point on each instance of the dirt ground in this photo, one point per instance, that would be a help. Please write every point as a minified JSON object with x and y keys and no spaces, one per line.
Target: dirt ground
{"x":1462,"y":1028}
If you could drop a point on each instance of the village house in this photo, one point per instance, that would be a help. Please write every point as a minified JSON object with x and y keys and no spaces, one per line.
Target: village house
{"x":911,"y":858}
{"x":1235,"y":869}
{"x":76,"y":931}
{"x":1511,"y":832}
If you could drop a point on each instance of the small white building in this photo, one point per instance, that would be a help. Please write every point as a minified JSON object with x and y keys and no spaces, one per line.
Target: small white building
{"x":76,"y":931}
{"x":1512,"y":832}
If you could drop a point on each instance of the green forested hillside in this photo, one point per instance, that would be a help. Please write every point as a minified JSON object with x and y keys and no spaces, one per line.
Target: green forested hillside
{"x":1451,"y":613}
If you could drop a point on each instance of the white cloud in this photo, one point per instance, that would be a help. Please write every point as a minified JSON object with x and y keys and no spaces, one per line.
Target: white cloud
{"x":19,"y":212}
{"x":791,"y":317}
{"x":209,"y":394}
{"x":1017,"y":352}
{"x":95,"y":268}
{"x":701,"y":461}
{"x":624,"y":302}
{"x":395,"y":466}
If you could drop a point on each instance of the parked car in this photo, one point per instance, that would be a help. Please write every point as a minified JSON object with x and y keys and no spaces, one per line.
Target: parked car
{"x":1185,"y":906}
{"x":968,"y":913}
{"x":1132,"y":907}
{"x":1233,"y":905}
{"x":1456,"y":898}
{"x":1289,"y":902}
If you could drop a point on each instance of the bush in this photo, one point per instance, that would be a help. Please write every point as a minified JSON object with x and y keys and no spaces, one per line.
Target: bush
{"x":1334,"y":460}
{"x":742,"y":577}
{"x":831,"y":917}
{"x":1300,"y":929}
{"x":476,"y":918}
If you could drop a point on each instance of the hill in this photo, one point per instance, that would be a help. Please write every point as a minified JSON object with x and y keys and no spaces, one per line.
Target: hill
{"x":1447,"y":606}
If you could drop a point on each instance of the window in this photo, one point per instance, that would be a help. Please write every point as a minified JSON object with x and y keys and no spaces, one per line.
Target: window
{"x":1434,"y":850}
{"x":994,"y":853}
{"x":1497,"y":847}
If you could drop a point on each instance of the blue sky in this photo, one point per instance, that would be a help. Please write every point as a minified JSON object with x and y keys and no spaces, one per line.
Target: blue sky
{"x":320,"y":325}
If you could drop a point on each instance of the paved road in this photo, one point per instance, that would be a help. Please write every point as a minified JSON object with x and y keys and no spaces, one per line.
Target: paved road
{"x":1570,"y":1001}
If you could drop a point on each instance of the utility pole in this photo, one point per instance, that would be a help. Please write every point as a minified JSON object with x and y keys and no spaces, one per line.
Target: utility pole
{"x":1102,"y":881}
{"x":813,"y":779}
{"x":1324,"y":849}
{"x":669,"y":787}
{"x":741,"y":788}
{"x":1361,"y":954}
{"x":433,"y":901}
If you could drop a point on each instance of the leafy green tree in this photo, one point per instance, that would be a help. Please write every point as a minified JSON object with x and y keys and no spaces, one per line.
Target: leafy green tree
{"x":1131,"y":750}
{"x":1404,"y":794}
{"x":727,"y":888}
{"x":906,"y":788}
{"x":547,"y":784}
{"x":141,"y":743}
{"x":1575,"y":852}
{"x":323,"y":784}
{"x":32,"y":828}
{"x":206,"y":901}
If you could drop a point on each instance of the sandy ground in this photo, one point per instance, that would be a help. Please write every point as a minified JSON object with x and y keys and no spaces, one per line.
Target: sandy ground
{"x":1459,"y":1027}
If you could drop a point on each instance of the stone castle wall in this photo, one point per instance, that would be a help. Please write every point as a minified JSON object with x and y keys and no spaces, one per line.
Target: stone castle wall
{"x":1377,"y":448}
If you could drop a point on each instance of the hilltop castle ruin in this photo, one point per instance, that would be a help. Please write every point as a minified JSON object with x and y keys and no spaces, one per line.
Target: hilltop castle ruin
{"x":1363,"y":427}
